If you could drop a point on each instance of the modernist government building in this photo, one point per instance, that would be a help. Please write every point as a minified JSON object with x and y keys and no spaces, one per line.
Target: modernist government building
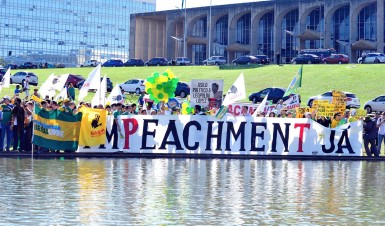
{"x":269,"y":27}
{"x":67,"y":31}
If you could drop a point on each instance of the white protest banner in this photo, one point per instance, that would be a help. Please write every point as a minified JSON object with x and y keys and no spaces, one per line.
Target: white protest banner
{"x":116,"y":96}
{"x":236,"y":92}
{"x":187,"y":134}
{"x":100,"y":95}
{"x":92,"y":82}
{"x":47,"y":88}
{"x":202,"y":91}
{"x":59,"y":82}
{"x":6,"y":80}
{"x":292,"y":102}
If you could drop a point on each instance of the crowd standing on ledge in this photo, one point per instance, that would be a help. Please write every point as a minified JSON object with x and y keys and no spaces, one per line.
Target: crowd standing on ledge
{"x":16,"y":117}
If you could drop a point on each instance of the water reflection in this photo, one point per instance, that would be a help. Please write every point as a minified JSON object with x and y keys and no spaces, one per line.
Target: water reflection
{"x":190,"y":191}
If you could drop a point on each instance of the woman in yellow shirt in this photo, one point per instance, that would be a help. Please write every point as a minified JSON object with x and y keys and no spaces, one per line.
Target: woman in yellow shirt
{"x":336,"y":119}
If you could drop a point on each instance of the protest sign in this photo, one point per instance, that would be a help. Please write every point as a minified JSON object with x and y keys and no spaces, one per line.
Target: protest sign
{"x":202,"y":91}
{"x":326,"y":110}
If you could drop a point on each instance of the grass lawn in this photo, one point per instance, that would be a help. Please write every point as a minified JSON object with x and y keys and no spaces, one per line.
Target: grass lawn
{"x":367,"y":81}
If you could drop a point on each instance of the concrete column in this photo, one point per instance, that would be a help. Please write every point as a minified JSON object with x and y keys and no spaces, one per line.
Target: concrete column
{"x":353,"y":31}
{"x":253,"y":34}
{"x":145,"y":40}
{"x":328,"y":15}
{"x":380,"y":26}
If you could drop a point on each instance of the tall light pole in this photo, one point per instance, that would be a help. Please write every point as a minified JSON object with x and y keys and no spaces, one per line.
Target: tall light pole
{"x":209,"y":42}
{"x":319,"y":23}
{"x":185,"y":29}
{"x":184,"y":2}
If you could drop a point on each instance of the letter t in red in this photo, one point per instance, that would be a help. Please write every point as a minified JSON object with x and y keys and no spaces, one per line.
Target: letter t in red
{"x":302,"y":127}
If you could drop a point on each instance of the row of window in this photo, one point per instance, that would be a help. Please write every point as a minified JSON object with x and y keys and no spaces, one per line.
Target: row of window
{"x":90,"y":28}
{"x":340,"y":28}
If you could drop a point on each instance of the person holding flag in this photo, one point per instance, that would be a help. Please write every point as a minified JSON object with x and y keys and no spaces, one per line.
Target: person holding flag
{"x":295,"y":83}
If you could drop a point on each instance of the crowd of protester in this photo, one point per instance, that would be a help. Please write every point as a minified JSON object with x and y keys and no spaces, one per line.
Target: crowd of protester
{"x":16,"y":116}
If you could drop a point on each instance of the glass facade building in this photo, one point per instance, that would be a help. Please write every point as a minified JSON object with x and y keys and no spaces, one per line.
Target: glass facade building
{"x":67,"y":31}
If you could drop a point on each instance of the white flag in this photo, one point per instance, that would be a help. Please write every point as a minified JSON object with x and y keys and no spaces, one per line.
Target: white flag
{"x":261,"y":107}
{"x":59,"y":82}
{"x":46,"y":88}
{"x":115,"y":96}
{"x":100,"y":95}
{"x":62,"y":95}
{"x":92,"y":82}
{"x":6,"y":79}
{"x":236,"y":92}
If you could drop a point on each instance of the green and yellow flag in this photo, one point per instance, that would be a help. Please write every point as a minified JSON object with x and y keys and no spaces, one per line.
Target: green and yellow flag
{"x":56,"y":130}
{"x":295,"y":83}
{"x":93,"y":132}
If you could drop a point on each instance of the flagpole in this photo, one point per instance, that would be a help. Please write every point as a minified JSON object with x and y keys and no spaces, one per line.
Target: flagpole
{"x":185,"y":29}
{"x":209,"y":42}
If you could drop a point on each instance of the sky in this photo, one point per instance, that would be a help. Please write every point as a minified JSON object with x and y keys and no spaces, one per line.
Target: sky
{"x":172,"y":4}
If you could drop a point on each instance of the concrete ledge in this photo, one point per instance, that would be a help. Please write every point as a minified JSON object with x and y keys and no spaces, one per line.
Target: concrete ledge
{"x":189,"y":156}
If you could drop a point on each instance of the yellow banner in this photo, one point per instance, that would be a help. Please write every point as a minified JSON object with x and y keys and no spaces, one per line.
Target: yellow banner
{"x":300,"y":112}
{"x":316,"y":103}
{"x":326,"y":110}
{"x":93,"y":132}
{"x":339,"y":100}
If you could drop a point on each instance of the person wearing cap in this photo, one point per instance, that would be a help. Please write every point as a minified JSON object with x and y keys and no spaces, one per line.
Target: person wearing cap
{"x":381,"y":130}
{"x":6,"y":123}
{"x":66,"y":106}
{"x":289,"y":114}
{"x":35,"y":93}
{"x":370,"y":131}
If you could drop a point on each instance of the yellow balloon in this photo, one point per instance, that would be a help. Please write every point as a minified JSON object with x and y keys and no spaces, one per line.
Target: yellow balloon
{"x":162,"y":79}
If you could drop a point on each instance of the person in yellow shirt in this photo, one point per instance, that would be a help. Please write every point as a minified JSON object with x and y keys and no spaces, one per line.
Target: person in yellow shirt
{"x":336,"y":119}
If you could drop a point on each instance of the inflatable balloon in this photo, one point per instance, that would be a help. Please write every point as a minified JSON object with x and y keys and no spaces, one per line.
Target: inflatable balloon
{"x":186,"y":109}
{"x":161,"y":87}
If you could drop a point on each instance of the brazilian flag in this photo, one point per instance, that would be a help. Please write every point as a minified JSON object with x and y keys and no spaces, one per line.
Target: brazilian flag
{"x":56,"y":130}
{"x":295,"y":83}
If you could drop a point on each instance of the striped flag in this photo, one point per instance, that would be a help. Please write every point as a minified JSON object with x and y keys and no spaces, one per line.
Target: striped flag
{"x":56,"y":130}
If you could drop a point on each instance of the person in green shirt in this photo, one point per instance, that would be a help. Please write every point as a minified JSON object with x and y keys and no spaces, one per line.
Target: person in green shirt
{"x":71,"y":91}
{"x":6,"y":123}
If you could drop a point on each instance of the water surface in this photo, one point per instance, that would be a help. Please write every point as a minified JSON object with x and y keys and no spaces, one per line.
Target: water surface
{"x":190,"y":192}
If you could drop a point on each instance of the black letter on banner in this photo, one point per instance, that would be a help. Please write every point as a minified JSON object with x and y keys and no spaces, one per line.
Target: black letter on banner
{"x":210,"y":135}
{"x":285,"y":139}
{"x":171,"y":129}
{"x":240,"y":133}
{"x":332,"y":146}
{"x":148,"y":133}
{"x":186,"y":134}
{"x":254,"y":135}
{"x":348,"y":146}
